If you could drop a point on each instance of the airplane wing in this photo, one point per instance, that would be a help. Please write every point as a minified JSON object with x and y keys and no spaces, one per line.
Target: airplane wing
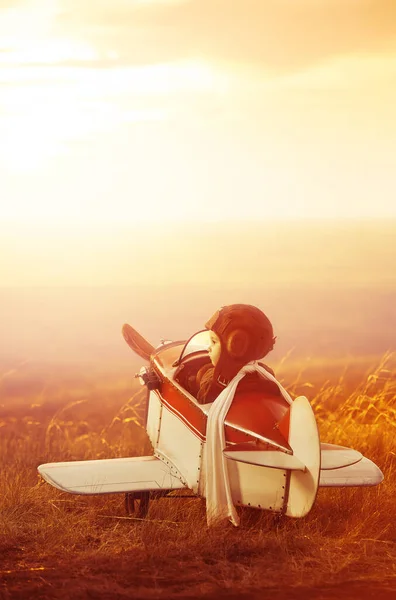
{"x":341,"y":467}
{"x":113,"y":475}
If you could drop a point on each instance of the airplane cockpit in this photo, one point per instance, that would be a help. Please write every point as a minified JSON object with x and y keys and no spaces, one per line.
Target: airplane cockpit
{"x":193,"y":356}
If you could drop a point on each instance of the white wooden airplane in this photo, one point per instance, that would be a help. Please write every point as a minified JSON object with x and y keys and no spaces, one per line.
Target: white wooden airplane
{"x":275,"y":459}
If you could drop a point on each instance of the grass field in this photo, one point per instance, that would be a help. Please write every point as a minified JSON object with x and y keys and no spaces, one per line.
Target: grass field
{"x":54,"y":545}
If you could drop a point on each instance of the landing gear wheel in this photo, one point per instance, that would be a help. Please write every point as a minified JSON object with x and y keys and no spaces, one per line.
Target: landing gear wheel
{"x":137,"y":503}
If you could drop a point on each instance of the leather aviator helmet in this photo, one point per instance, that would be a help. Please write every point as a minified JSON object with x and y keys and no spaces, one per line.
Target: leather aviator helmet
{"x":245,"y":334}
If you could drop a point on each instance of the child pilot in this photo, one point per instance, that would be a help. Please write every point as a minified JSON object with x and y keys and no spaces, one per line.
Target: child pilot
{"x":239,"y":334}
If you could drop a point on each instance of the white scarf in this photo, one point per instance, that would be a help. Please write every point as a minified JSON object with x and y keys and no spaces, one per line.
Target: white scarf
{"x":219,"y":505}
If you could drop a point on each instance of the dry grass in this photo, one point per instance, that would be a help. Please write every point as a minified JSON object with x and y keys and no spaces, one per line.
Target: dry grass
{"x":54,"y":545}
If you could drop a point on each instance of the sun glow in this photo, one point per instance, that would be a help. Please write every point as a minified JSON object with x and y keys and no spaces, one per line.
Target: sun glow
{"x":29,"y":35}
{"x":48,"y":51}
{"x":39,"y":124}
{"x":47,"y":108}
{"x":53,"y":96}
{"x":100,"y":125}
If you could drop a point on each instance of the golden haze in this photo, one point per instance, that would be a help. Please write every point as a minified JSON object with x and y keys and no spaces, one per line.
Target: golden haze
{"x":141,"y":111}
{"x":329,"y":288}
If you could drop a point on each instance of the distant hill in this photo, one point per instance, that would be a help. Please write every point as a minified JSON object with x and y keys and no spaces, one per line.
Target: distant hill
{"x":329,"y":290}
{"x":84,"y":324}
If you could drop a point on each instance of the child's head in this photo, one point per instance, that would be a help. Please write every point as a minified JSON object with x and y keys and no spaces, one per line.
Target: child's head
{"x":239,"y":333}
{"x":214,"y":348}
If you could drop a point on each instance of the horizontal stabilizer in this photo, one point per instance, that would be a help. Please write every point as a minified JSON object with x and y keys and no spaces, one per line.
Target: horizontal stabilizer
{"x":112,"y":475}
{"x":332,"y":457}
{"x":266,"y":458}
{"x":335,"y":457}
{"x":362,"y":473}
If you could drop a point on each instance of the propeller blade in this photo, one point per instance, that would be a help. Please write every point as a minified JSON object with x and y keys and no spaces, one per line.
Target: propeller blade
{"x":137,"y":342}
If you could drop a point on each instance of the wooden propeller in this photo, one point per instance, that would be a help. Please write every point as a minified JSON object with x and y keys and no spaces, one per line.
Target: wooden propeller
{"x":137,"y":342}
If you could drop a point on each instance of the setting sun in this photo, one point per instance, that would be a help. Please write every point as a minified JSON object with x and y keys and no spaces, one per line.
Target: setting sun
{"x":138,"y":114}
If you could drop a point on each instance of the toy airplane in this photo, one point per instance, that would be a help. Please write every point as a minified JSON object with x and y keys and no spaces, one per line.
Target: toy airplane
{"x":274,"y":456}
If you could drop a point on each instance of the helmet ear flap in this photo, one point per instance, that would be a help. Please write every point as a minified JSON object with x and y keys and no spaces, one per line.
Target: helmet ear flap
{"x":237,"y":343}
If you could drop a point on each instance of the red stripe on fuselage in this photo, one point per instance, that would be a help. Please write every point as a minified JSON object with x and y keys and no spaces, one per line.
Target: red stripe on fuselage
{"x":192,"y":416}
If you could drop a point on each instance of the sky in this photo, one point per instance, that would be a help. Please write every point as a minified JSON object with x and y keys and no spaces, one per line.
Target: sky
{"x":132,"y":113}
